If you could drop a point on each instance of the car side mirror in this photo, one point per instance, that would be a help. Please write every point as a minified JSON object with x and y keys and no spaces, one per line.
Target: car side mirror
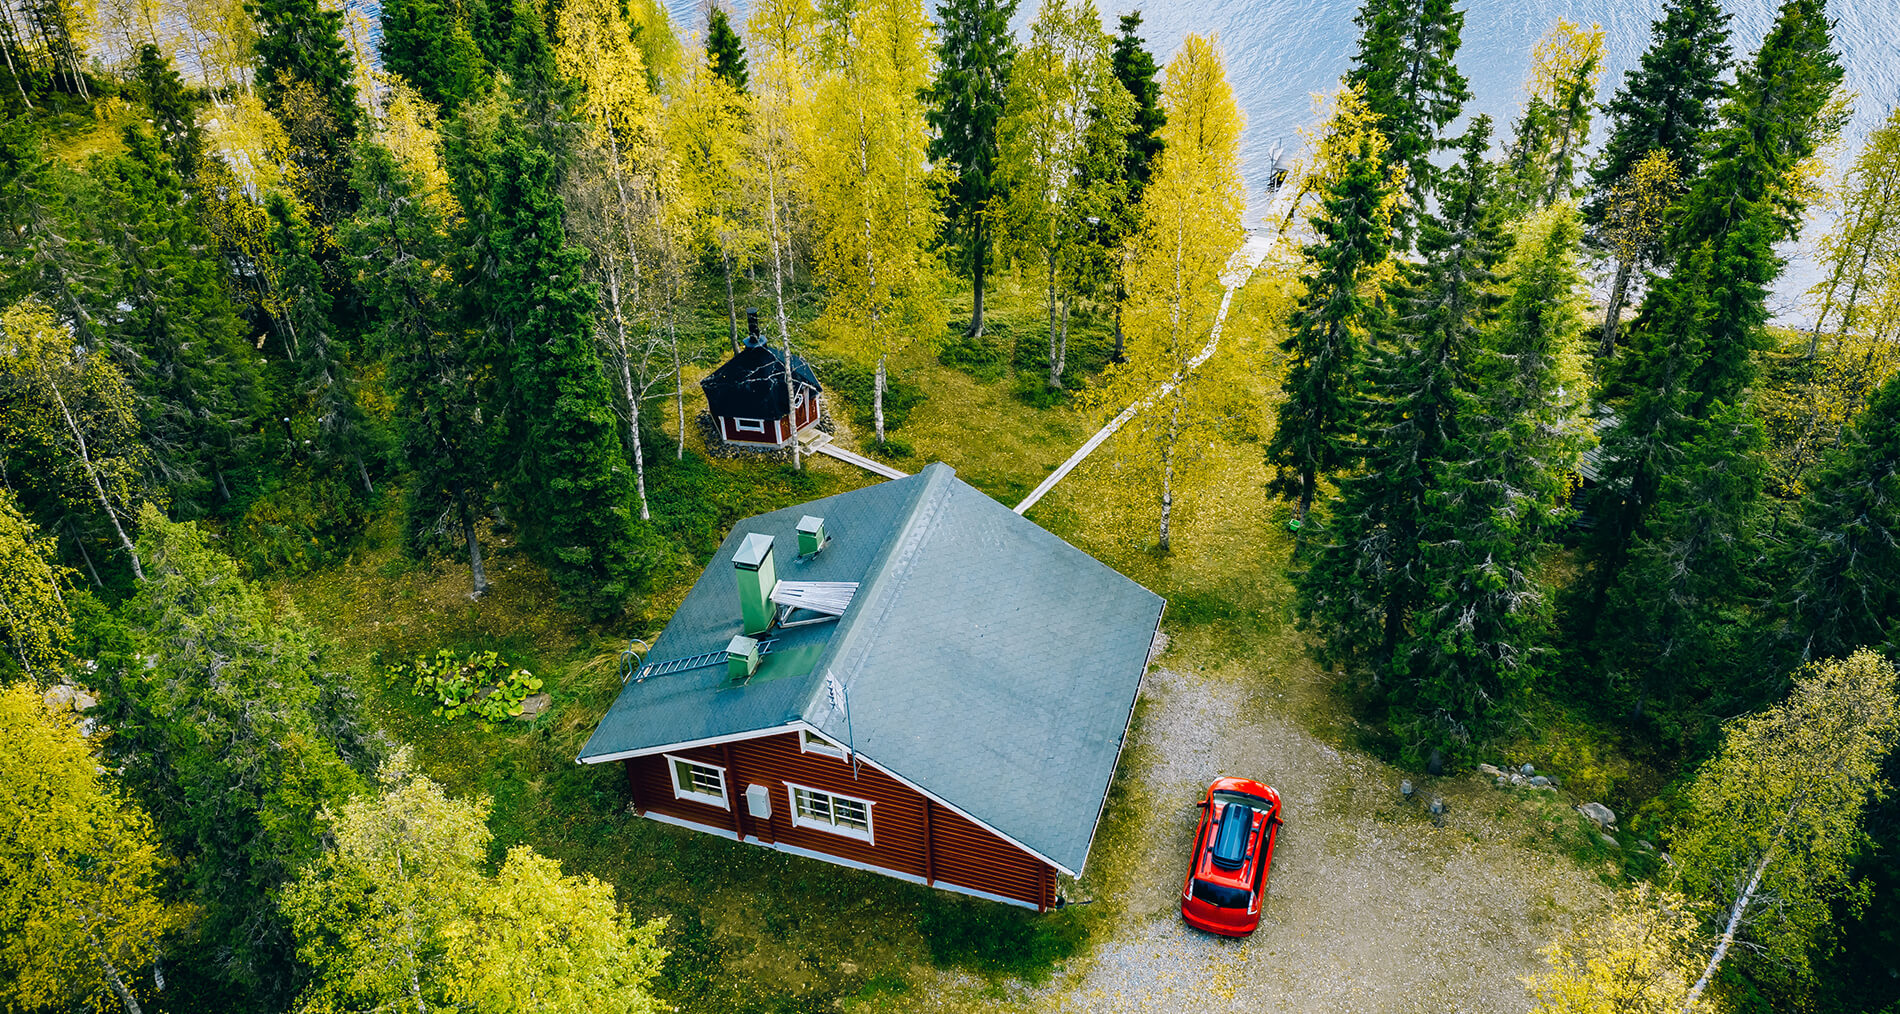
{"x":1202,"y":805}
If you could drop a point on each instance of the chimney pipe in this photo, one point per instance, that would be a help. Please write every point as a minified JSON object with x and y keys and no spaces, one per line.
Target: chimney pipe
{"x":756,"y":575}
{"x":752,"y":337}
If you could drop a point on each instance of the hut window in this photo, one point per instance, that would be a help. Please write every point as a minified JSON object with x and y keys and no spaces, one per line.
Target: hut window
{"x":749,"y":425}
{"x":811,"y":742}
{"x":701,"y":783}
{"x":826,"y":812}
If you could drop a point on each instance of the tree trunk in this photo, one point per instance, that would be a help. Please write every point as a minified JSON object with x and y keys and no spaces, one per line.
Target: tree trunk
{"x":791,"y":407}
{"x":362,"y":472}
{"x":1307,"y":483}
{"x":1735,"y":913}
{"x":732,"y":306}
{"x":1120,"y":345}
{"x":877,"y":400}
{"x":633,"y":439}
{"x":679,"y":387}
{"x":92,"y":475}
{"x":1167,"y":477}
{"x":1049,"y":298}
{"x":119,"y":988}
{"x":1613,"y":314}
{"x":478,"y":576}
{"x":979,"y":271}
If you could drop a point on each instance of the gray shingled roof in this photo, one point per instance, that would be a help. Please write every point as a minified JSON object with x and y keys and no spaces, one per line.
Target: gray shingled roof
{"x":986,"y":661}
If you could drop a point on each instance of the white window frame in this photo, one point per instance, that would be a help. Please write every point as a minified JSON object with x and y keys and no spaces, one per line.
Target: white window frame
{"x":811,"y":742}
{"x":868,"y":836}
{"x":748,"y":425}
{"x":673,"y":761}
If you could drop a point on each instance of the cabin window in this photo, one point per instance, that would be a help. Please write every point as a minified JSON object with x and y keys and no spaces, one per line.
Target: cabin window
{"x":701,"y":783}
{"x":826,"y":812}
{"x":749,"y":425}
{"x":811,"y":742}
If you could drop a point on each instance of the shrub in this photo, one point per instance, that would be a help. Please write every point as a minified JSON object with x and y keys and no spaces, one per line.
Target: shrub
{"x":481,"y":683}
{"x":299,"y":526}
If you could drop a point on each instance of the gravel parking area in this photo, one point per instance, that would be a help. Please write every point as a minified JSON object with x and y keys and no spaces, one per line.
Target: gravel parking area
{"x":1370,"y":906}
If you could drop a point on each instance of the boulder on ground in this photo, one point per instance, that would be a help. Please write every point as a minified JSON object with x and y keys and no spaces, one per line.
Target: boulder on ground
{"x":533,"y":705}
{"x":1489,"y":770}
{"x":1601,"y":815}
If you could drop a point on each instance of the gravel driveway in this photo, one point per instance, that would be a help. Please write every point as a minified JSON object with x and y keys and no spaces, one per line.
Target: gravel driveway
{"x":1369,"y":906}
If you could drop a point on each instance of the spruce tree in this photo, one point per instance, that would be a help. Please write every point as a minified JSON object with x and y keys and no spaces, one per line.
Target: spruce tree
{"x":1478,"y":641}
{"x":1406,"y":65}
{"x":1692,"y":347}
{"x":725,"y":51}
{"x":195,"y":375}
{"x":1840,"y":568}
{"x":1135,"y":69}
{"x":963,"y":107}
{"x":301,"y":309}
{"x":400,"y":248}
{"x":174,"y":110}
{"x":1368,"y":570}
{"x":1669,"y":101}
{"x":559,"y":460}
{"x":426,"y":43}
{"x":308,"y":81}
{"x":1312,"y":437}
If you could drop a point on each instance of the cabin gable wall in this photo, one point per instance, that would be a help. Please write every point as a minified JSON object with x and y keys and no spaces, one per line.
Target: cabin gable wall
{"x":912,"y":836}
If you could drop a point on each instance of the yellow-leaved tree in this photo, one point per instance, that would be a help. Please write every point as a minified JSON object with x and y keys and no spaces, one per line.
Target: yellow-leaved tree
{"x":706,"y":127}
{"x":75,"y":402}
{"x":1190,"y":225}
{"x":1635,"y":221}
{"x":400,"y":915}
{"x":1774,"y":818}
{"x":80,"y":870}
{"x":1641,"y":955}
{"x":33,"y":616}
{"x":872,"y":214}
{"x":1541,"y":162}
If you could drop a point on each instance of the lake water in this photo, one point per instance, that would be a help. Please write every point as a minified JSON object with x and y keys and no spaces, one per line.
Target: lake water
{"x":1281,"y":52}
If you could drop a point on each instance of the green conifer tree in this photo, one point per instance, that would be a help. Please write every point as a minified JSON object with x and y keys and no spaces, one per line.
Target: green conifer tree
{"x":1669,"y":101}
{"x":1368,"y":569}
{"x":195,"y":376}
{"x":232,"y":727}
{"x":725,"y":51}
{"x":560,"y":464}
{"x":1312,"y":437}
{"x":1140,"y":146}
{"x":307,"y":79}
{"x":431,"y":48}
{"x":1692,"y":347}
{"x":400,"y":248}
{"x":174,"y":110}
{"x":1406,"y":66}
{"x":963,"y":107}
{"x":1480,"y":639}
{"x":1840,"y":568}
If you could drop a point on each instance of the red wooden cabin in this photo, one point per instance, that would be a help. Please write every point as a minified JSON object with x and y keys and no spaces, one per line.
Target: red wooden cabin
{"x":908,"y":678}
{"x":747,"y":395}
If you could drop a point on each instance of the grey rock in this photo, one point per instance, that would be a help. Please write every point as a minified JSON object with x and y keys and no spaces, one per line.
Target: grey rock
{"x":1527,"y":770}
{"x":1489,"y":769}
{"x":60,"y":698}
{"x":1503,"y":782}
{"x":1539,"y":781}
{"x":1601,"y":815}
{"x":1435,"y":764}
{"x":1607,"y":840}
{"x":533,"y":705}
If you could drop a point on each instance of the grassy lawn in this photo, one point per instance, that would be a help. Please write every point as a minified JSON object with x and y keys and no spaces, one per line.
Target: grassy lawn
{"x":756,"y":930}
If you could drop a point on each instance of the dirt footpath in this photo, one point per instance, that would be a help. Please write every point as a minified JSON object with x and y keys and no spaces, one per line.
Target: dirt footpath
{"x":1369,"y":906}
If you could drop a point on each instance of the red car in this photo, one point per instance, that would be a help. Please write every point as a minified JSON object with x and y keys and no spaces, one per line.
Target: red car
{"x":1232,"y":851}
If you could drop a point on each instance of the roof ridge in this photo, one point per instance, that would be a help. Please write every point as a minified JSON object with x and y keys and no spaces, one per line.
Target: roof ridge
{"x":876,"y":593}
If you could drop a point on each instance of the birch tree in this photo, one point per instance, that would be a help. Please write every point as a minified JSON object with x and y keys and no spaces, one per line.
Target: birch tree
{"x":81,"y":872}
{"x":783,"y":34}
{"x":75,"y":401}
{"x":1639,"y":957}
{"x":33,"y":616}
{"x":1555,"y":123}
{"x":1061,"y":146}
{"x":1774,"y":817}
{"x":873,"y":215}
{"x":1191,"y":224}
{"x":707,"y":129}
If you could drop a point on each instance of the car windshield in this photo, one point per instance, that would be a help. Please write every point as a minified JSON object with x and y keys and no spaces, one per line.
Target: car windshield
{"x":1219,"y":896}
{"x":1244,"y":799}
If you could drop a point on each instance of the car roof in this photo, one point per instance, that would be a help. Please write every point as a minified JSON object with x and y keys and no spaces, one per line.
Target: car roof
{"x":1205,"y":866}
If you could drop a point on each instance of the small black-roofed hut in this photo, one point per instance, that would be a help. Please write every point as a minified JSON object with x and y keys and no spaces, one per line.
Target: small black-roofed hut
{"x":747,"y":398}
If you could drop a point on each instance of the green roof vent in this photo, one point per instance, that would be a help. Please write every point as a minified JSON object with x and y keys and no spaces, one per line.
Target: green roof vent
{"x":742,"y":657}
{"x":756,"y":576}
{"x":811,"y":536}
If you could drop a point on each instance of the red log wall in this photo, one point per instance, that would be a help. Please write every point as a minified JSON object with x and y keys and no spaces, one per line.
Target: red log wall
{"x":911,"y":834}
